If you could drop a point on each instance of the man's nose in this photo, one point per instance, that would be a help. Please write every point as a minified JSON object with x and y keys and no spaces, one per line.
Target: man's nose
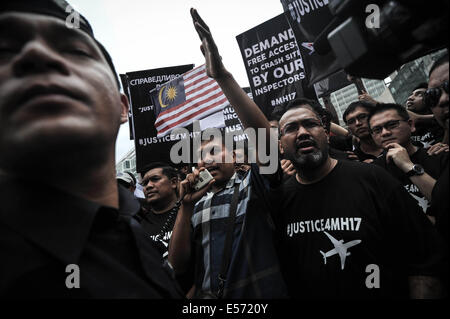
{"x":38,"y":57}
{"x":302,"y":131}
{"x":149,"y":185}
{"x":385,"y":132}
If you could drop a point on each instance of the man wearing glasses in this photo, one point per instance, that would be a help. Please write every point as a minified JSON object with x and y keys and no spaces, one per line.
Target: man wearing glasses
{"x":355,"y":116}
{"x":436,"y":97}
{"x":391,"y":129}
{"x":336,"y":218}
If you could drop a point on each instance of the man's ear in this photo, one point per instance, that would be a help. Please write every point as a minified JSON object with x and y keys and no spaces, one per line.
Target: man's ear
{"x":280,"y":147}
{"x":174,"y":182}
{"x":125,"y":108}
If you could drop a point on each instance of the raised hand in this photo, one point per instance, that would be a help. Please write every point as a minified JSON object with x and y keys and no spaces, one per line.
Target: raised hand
{"x":288,"y":168}
{"x":399,"y":155}
{"x":438,"y":148}
{"x":214,"y":66}
{"x":187,"y":191}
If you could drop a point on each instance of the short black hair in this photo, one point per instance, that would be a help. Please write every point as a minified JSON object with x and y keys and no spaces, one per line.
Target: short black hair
{"x":382,"y":107}
{"x":352,"y":107}
{"x":167,"y":169}
{"x":316,"y":107}
{"x":441,"y":61}
{"x":422,"y":85}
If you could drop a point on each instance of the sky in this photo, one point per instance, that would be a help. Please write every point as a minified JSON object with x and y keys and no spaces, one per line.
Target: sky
{"x":149,"y":34}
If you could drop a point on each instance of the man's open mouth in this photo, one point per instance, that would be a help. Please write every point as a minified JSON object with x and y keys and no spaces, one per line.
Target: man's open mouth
{"x":306,"y":146}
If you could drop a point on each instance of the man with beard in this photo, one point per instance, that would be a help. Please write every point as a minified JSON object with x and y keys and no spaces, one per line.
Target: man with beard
{"x":346,"y":226}
{"x":356,"y":118}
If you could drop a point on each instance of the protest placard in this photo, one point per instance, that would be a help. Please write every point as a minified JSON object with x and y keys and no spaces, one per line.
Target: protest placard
{"x":307,"y":20}
{"x":273,"y":63}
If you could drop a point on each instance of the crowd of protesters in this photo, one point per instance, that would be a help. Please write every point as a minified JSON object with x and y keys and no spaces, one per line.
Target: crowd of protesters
{"x":360,"y":212}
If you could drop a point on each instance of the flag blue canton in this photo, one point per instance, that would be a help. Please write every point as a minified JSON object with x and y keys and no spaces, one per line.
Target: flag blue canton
{"x":168,"y":95}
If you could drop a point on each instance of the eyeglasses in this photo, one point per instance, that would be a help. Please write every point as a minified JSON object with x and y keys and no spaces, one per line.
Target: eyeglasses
{"x":390,"y":125}
{"x":293,"y":127}
{"x":360,"y":118}
{"x":431,"y":96}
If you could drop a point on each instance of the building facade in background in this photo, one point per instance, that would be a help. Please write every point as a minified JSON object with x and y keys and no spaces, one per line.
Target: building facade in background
{"x":342,"y":98}
{"x":127,"y":163}
{"x":410,"y":75}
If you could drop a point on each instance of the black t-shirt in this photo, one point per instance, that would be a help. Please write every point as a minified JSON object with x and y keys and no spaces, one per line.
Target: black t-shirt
{"x":432,"y":164}
{"x":440,"y":203}
{"x":427,"y":134}
{"x":345,"y":143}
{"x":153,"y":225}
{"x":362,"y":212}
{"x":342,"y":143}
{"x":362,"y":156}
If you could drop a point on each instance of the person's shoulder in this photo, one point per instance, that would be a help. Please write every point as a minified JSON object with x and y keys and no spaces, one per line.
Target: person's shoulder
{"x":354,"y":169}
{"x":267,"y":180}
{"x":357,"y":166}
{"x":380,"y":160}
{"x":289,"y":184}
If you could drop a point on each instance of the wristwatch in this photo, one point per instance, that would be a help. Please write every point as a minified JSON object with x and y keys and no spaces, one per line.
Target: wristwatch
{"x":416,"y":170}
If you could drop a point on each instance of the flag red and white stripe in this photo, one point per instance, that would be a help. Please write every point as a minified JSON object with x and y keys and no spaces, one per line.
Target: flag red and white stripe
{"x":203,"y":97}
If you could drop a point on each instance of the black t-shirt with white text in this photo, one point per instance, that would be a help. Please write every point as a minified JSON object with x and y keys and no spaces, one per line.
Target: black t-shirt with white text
{"x":351,"y":230}
{"x":153,"y":224}
{"x":427,"y":134}
{"x":433,"y":165}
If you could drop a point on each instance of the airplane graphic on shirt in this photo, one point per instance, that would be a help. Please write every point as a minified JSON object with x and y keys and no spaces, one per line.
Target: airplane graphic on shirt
{"x":421,"y":201}
{"x":340,"y":248}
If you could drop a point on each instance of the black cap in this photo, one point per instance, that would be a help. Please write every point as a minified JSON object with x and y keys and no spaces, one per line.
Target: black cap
{"x":57,"y":9}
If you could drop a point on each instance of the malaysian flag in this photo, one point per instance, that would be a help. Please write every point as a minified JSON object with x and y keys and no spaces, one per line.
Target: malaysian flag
{"x":192,"y":96}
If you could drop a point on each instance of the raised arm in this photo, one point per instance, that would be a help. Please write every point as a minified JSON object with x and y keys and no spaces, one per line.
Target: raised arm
{"x":249,"y":113}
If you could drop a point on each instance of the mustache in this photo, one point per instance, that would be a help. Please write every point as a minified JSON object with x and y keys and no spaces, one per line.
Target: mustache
{"x":305,"y":142}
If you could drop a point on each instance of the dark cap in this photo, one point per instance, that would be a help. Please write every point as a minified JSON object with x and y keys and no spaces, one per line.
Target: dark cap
{"x":57,"y":9}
